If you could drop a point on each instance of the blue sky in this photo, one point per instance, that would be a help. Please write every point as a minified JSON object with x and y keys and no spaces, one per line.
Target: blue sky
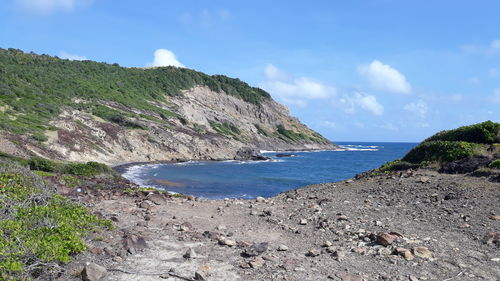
{"x":380,"y":70}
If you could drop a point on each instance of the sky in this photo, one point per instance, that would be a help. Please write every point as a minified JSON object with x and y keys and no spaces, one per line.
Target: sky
{"x":379,"y":70}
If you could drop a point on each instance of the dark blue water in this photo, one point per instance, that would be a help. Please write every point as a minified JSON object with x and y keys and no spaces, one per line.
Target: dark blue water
{"x":242,"y":179}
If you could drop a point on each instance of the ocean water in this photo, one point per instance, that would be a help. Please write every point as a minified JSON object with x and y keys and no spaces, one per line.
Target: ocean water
{"x":249,"y":179}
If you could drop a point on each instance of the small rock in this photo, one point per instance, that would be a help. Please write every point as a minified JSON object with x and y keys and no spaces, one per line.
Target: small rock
{"x":303,"y":222}
{"x":313,"y":253}
{"x":226,"y":242}
{"x":190,"y":254}
{"x":331,"y":249}
{"x":422,"y":252}
{"x":190,"y":198}
{"x":349,"y":181}
{"x":492,"y":238}
{"x":257,"y":262}
{"x":267,"y":212}
{"x":342,"y":218}
{"x":378,"y":223}
{"x":144,"y":205}
{"x":199,"y":276}
{"x":327,"y":244}
{"x":186,"y":226}
{"x":256,"y":249}
{"x":282,"y":248}
{"x":339,"y":255}
{"x":133,"y":242}
{"x":221,"y":227}
{"x":412,"y":278}
{"x":93,"y":272}
{"x":117,"y":259}
{"x":385,"y":239}
{"x":495,"y":217}
{"x":96,"y":251}
{"x":260,"y":199}
{"x":424,"y":179}
{"x":156,"y":198}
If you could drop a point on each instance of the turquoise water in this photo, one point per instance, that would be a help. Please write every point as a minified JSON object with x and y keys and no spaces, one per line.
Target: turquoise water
{"x":246,"y":179}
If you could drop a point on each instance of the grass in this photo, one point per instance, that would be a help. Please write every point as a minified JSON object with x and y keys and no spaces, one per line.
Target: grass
{"x":495,"y":164}
{"x":442,"y":151}
{"x":292,"y":136}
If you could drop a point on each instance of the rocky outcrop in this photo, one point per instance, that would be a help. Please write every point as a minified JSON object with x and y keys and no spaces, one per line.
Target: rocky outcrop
{"x":207,"y":125}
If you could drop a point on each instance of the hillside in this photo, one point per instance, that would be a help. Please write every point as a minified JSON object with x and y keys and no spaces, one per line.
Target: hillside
{"x":90,"y":111}
{"x":467,"y":149}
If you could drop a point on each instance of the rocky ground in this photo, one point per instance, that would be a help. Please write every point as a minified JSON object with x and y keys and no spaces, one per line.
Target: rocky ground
{"x":416,"y":225}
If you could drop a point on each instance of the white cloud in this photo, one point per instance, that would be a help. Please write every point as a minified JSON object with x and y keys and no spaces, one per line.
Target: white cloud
{"x":495,"y":44}
{"x":495,"y":98}
{"x":165,"y":57}
{"x":385,"y":78}
{"x":362,"y":100}
{"x":418,"y":108}
{"x":294,"y":90}
{"x":492,"y":49}
{"x":68,"y":56}
{"x":388,"y":126}
{"x":47,"y":7}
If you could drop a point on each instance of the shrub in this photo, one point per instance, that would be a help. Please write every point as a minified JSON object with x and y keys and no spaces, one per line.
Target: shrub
{"x":38,"y":228}
{"x":42,"y":164}
{"x":486,"y":132}
{"x":495,"y":164}
{"x":441,"y":151}
{"x":86,"y":169}
{"x":397,"y":165}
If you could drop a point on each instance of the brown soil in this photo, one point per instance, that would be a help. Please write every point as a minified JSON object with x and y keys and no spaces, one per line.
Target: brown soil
{"x":449,"y":215}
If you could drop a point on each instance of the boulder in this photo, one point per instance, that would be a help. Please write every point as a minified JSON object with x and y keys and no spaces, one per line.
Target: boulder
{"x":93,"y":272}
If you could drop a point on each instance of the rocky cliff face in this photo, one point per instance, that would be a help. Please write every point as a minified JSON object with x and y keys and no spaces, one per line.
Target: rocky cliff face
{"x":90,"y":111}
{"x":212,"y":126}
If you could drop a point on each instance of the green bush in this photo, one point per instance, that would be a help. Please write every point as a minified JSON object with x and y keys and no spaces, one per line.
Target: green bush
{"x":495,"y":164}
{"x":486,"y":132}
{"x":86,"y":169}
{"x":42,"y":164}
{"x":397,"y":165}
{"x":38,"y":228}
{"x":441,"y":151}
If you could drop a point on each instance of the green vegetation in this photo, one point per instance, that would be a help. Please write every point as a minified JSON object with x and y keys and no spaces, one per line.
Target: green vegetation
{"x":396,"y":165}
{"x":38,"y":228}
{"x":487,"y":132}
{"x":227,"y":128}
{"x":292,"y":136}
{"x":442,"y":151}
{"x":451,"y":145}
{"x":35,"y":88}
{"x":495,"y":164}
{"x":46,"y":167}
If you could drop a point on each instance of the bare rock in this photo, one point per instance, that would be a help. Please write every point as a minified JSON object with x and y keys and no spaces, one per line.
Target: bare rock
{"x":256,"y":249}
{"x":93,"y":272}
{"x":132,"y":243}
{"x":313,"y":253}
{"x":492,"y":238}
{"x":422,"y":252}
{"x":385,"y":239}
{"x":260,"y":199}
{"x":282,"y":248}
{"x":257,"y":262}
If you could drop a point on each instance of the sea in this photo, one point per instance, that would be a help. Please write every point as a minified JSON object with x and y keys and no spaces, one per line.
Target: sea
{"x":249,"y":179}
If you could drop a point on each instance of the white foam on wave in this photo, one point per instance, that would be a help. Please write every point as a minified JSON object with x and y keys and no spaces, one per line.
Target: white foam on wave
{"x":135,"y":173}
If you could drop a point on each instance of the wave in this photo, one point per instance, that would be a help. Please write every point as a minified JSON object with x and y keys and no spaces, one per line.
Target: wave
{"x":135,"y":174}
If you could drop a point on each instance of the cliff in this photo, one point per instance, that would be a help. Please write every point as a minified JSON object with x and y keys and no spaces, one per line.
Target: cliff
{"x":89,"y":111}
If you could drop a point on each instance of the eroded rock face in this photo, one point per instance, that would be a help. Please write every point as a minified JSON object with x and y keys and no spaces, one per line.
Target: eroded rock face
{"x":210,"y":126}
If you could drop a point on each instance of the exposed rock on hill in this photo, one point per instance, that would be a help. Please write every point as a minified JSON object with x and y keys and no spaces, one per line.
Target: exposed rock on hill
{"x":89,"y":111}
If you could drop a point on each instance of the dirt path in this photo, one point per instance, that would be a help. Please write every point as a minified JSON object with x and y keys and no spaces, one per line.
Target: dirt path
{"x":321,"y":232}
